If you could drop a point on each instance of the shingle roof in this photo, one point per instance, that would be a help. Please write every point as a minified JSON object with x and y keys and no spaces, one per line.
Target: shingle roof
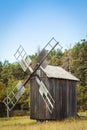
{"x":58,"y":72}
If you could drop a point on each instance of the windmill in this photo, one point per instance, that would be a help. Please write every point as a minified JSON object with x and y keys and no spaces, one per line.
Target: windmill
{"x":25,"y":62}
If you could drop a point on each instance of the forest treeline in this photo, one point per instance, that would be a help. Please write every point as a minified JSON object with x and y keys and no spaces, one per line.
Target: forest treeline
{"x":73,"y":60}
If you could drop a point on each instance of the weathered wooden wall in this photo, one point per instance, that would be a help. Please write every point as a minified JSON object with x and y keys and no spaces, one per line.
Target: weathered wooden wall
{"x":64,"y":93}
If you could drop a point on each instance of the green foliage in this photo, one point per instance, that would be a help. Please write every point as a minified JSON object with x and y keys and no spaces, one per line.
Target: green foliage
{"x":81,"y":97}
{"x":25,"y":100}
{"x":80,"y":62}
{"x":2,"y":91}
{"x":0,"y":68}
{"x":67,"y":60}
{"x":54,"y":58}
{"x":79,"y":68}
{"x":12,"y":73}
{"x":17,"y":72}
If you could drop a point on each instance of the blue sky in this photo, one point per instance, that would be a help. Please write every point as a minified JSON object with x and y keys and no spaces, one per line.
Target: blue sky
{"x":32,"y":23}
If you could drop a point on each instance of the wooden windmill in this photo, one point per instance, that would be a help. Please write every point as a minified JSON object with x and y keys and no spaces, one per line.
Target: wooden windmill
{"x":25,"y":61}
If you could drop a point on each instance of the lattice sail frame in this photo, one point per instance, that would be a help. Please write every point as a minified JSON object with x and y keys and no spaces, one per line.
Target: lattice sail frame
{"x":22,"y":57}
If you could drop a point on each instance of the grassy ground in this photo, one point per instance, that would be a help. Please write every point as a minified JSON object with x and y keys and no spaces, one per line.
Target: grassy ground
{"x":24,"y":123}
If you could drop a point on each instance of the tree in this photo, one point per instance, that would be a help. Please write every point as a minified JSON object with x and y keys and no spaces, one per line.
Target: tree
{"x":54,"y":58}
{"x":67,"y":60}
{"x":80,"y":62}
{"x":79,"y":68}
{"x":2,"y":91}
{"x":0,"y":68}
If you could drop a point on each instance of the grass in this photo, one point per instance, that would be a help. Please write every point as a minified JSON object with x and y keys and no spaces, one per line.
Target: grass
{"x":84,"y":114}
{"x":24,"y":123}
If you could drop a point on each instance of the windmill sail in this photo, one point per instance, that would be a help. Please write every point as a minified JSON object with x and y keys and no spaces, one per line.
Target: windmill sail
{"x":14,"y":96}
{"x":45,"y":94}
{"x":22,"y":57}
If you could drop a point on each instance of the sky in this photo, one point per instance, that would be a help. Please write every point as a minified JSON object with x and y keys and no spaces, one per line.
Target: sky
{"x":32,"y":23}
